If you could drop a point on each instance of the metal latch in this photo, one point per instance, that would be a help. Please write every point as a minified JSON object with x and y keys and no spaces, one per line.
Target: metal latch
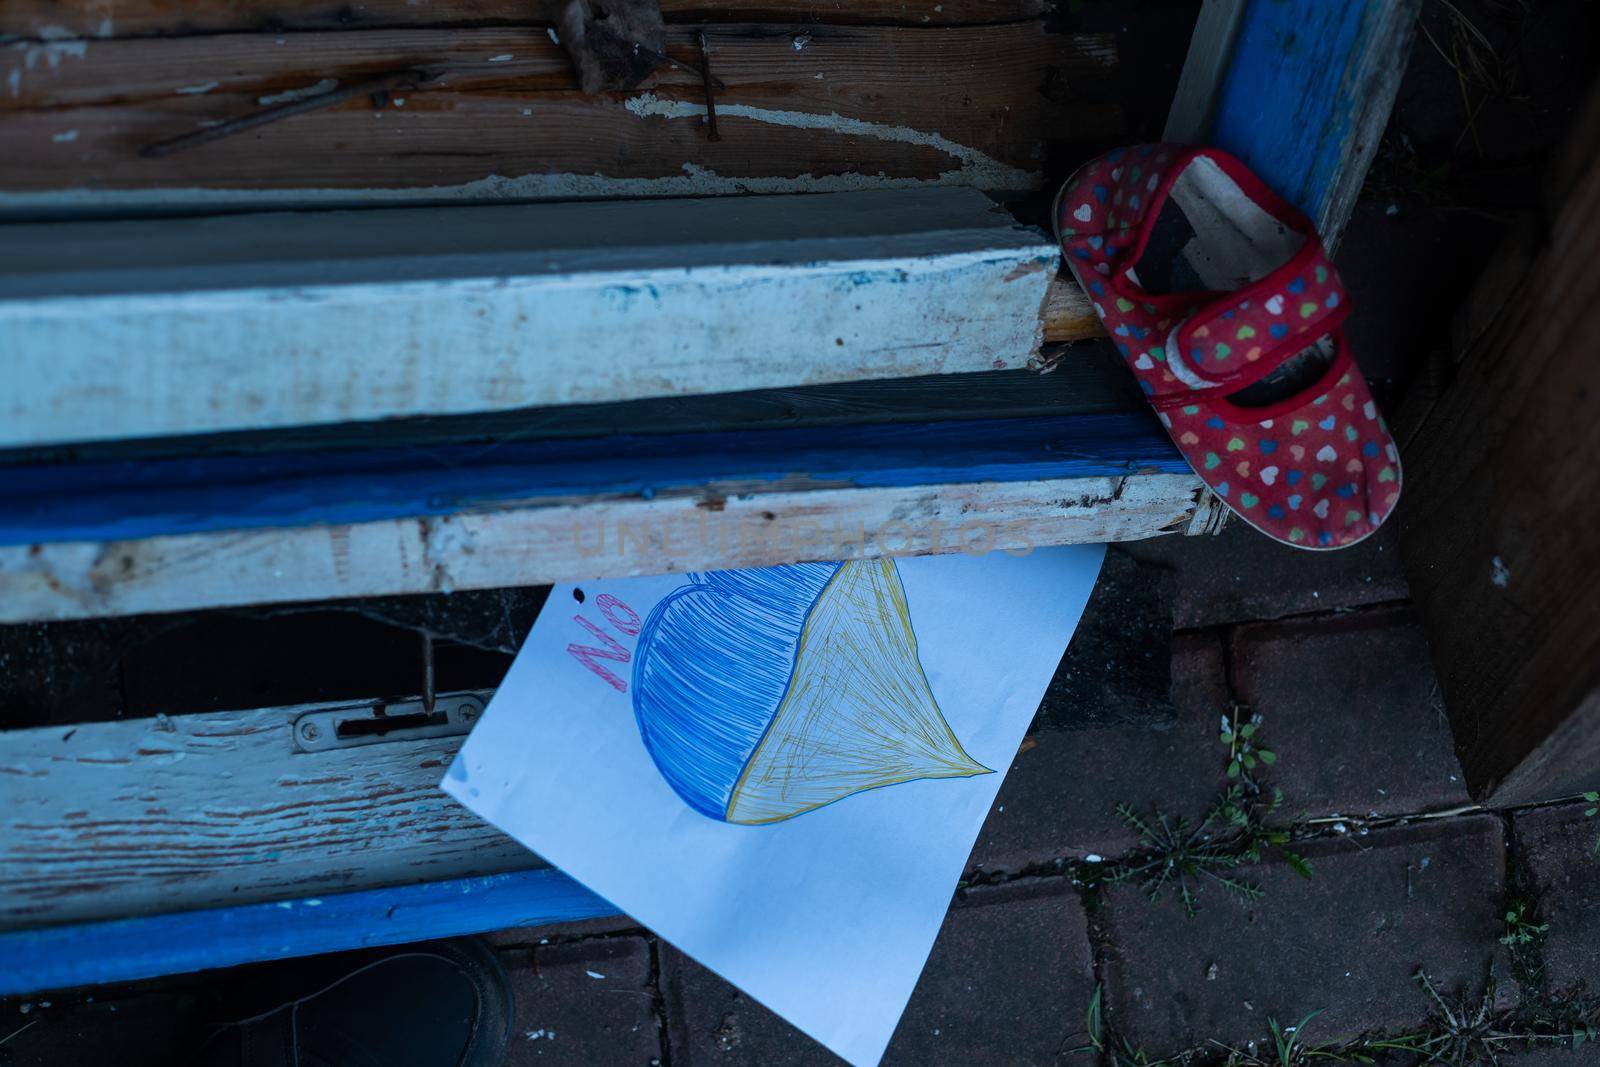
{"x":375,"y":722}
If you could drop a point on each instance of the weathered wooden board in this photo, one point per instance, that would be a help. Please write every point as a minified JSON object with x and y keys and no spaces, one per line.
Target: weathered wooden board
{"x":261,"y":321}
{"x":126,"y":500}
{"x":812,"y":109}
{"x":1498,"y":528}
{"x":46,"y":20}
{"x":720,"y":526}
{"x":122,"y":950}
{"x":105,"y":820}
{"x":1082,"y":380}
{"x":1307,"y":94}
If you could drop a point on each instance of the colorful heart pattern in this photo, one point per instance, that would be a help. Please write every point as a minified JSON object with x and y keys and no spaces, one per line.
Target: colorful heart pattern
{"x":1337,"y":477}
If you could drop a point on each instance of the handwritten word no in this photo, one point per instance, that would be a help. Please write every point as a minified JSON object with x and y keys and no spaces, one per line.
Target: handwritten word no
{"x":623,"y":618}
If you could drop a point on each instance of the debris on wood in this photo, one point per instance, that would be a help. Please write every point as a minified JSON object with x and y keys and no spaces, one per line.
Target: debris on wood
{"x":614,"y":47}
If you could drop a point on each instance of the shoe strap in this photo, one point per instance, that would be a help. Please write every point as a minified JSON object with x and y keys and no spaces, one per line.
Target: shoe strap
{"x":1242,"y":336}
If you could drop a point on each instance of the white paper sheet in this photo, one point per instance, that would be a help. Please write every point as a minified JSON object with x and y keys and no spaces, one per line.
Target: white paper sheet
{"x":827,"y":916}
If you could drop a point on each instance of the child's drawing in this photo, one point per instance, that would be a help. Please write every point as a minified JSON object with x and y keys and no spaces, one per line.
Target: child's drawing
{"x":762,"y":695}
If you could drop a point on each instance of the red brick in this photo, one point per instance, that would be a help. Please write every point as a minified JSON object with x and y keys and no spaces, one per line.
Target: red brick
{"x":1346,"y":942}
{"x":583,"y":1003}
{"x":1241,"y":575}
{"x":1557,"y":850}
{"x":1008,"y":980}
{"x":1350,"y":705}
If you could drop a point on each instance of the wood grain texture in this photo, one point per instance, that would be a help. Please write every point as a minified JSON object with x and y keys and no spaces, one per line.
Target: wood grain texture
{"x":1498,"y":527}
{"x":1082,"y":380}
{"x":58,"y":19}
{"x":718,"y":526}
{"x":41,"y":504}
{"x":131,"y":818}
{"x":854,"y":107}
{"x":261,"y":321}
{"x":1307,"y":94}
{"x":1068,"y":313}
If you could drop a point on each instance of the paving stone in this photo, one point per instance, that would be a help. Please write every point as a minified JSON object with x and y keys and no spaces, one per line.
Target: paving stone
{"x":1350,"y":705}
{"x":1556,"y":847}
{"x":1007,"y":982}
{"x":583,"y":1003}
{"x":1241,"y":575}
{"x":1347,"y":941}
{"x":1129,"y":716}
{"x":1081,"y":760}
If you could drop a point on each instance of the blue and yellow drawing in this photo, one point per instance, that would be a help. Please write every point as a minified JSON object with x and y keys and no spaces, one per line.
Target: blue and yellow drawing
{"x":764,"y":694}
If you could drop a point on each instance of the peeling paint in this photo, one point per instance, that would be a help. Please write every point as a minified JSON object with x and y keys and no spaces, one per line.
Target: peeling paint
{"x":323,"y":86}
{"x":984,"y":170}
{"x":694,"y":181}
{"x":58,"y":44}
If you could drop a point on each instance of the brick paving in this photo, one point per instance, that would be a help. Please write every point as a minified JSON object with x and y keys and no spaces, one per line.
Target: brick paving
{"x":1558,"y":854}
{"x":1009,"y":961}
{"x":1351,"y":707}
{"x":1346,"y":942}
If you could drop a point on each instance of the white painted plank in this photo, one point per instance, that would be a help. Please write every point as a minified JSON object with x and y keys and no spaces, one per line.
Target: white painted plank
{"x":706,"y":529}
{"x":115,"y":819}
{"x":1210,"y":50}
{"x":149,"y":328}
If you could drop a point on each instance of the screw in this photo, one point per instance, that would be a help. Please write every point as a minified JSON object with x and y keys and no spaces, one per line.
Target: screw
{"x":309,"y":731}
{"x":468,"y":711}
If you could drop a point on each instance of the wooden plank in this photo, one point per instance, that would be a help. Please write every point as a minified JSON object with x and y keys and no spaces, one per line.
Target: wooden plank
{"x":1204,"y":69}
{"x":61,"y":957}
{"x":46,"y":503}
{"x":1308,"y":93}
{"x":116,"y":819}
{"x":1082,"y":380}
{"x":846,"y":107}
{"x":719,"y":525}
{"x":209,"y":325}
{"x":1498,"y":531}
{"x":55,"y":20}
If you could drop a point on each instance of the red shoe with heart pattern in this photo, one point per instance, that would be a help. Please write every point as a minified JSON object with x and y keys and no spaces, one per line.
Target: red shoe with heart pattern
{"x":1222,"y":299}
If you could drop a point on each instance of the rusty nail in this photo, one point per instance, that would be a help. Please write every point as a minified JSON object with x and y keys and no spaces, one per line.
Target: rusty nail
{"x":427,"y":672}
{"x":706,"y":80}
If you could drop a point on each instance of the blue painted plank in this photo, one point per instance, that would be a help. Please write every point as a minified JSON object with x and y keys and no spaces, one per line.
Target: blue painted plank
{"x":122,"y":950}
{"x":1283,"y":107}
{"x":115,"y":501}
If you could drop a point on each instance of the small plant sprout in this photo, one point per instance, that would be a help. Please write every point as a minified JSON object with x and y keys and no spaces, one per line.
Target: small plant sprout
{"x":1522,"y":929}
{"x":1180,"y":857}
{"x":1116,"y":1053}
{"x":1591,"y":811}
{"x":1245,"y":749}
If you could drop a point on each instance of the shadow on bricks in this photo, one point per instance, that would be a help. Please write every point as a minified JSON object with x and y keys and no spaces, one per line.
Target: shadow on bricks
{"x":1006,"y":982}
{"x":583,"y":1002}
{"x":1131,"y":715}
